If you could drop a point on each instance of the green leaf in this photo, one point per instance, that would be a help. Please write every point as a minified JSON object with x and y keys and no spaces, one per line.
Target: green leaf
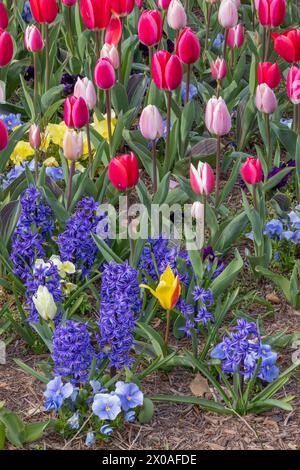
{"x":156,"y":340}
{"x":208,"y":405}
{"x":282,"y":282}
{"x":14,"y":427}
{"x":34,"y":431}
{"x":228,"y":276}
{"x":105,"y":250}
{"x":146,"y":412}
{"x":29,"y":370}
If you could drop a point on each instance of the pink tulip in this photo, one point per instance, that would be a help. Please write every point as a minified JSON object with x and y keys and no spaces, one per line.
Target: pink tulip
{"x":197,"y":210}
{"x":121,"y":7}
{"x":203,"y":179}
{"x":166,"y":70}
{"x":3,"y":136}
{"x":150,"y":28}
{"x":104,"y":75}
{"x":35,"y":138}
{"x":151,"y":123}
{"x":188,"y":46}
{"x":236,"y":36}
{"x":76,"y":112}
{"x":271,"y":12}
{"x":218,"y":69}
{"x":163,"y":4}
{"x":265,"y":99}
{"x":3,"y":16}
{"x":228,"y":14}
{"x":110,"y":52}
{"x":6,"y":48}
{"x":33,"y":39}
{"x":69,"y":3}
{"x":139,"y":3}
{"x":293,"y":84}
{"x":85,"y":89}
{"x":252,"y":171}
{"x":113,"y":31}
{"x":217,"y":117}
{"x":123,"y":171}
{"x":176,"y":15}
{"x":72,"y":145}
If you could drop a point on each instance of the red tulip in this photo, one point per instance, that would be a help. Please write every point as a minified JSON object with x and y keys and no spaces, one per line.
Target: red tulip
{"x":76,"y":112}
{"x":166,"y":70}
{"x":269,"y":73}
{"x":287,"y":44}
{"x":6,"y":48}
{"x":123,"y":171}
{"x":121,"y":7}
{"x":95,"y":13}
{"x":188,"y":46}
{"x":3,"y":136}
{"x":163,"y":4}
{"x":150,"y":27}
{"x":44,"y":12}
{"x":252,"y":171}
{"x":293,"y":84}
{"x":236,"y":36}
{"x":271,"y":12}
{"x":3,"y":16}
{"x":104,"y":75}
{"x":113,"y":31}
{"x":202,"y":179}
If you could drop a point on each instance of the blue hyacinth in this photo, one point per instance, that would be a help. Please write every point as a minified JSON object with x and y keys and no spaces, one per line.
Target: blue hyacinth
{"x":119,"y":310}
{"x":156,"y":256}
{"x":72,"y":351}
{"x":35,"y":226}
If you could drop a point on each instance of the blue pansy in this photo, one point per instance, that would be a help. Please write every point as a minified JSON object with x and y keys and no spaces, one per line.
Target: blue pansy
{"x":192,"y":91}
{"x":218,"y":41}
{"x":129,"y":394}
{"x":274,"y":229}
{"x":90,"y":439}
{"x":129,"y":416}
{"x":73,"y":422}
{"x":56,"y":173}
{"x":11,"y":120}
{"x":106,"y":429}
{"x":26,"y":13}
{"x":56,"y":392}
{"x":106,"y":406}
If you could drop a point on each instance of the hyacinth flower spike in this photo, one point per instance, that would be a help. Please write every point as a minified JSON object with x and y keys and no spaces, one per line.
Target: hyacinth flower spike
{"x":167,"y":293}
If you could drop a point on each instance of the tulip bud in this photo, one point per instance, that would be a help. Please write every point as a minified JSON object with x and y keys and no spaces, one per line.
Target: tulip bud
{"x":252,"y":171}
{"x":72,"y":145}
{"x":265,"y":99}
{"x":3,"y":136}
{"x":113,"y":31}
{"x":166,"y":70}
{"x":104,"y":75}
{"x":271,"y":12}
{"x":121,"y":7}
{"x":95,"y":13}
{"x":35,"y":136}
{"x":44,"y":303}
{"x":203,"y":179}
{"x":218,"y":69}
{"x":197,"y":210}
{"x":76,"y":112}
{"x":269,"y":73}
{"x":3,"y":16}
{"x":123,"y":171}
{"x":110,"y":52}
{"x":44,"y":12}
{"x":188,"y":46}
{"x":85,"y":89}
{"x":6,"y":48}
{"x":150,"y":27}
{"x":236,"y":36}
{"x":151,"y":123}
{"x":293,"y":84}
{"x":176,"y":15}
{"x":163,"y":4}
{"x":228,"y":14}
{"x":217,"y":117}
{"x":2,"y":92}
{"x":33,"y":39}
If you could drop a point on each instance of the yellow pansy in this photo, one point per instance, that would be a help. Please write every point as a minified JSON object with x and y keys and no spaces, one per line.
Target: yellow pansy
{"x":21,"y":152}
{"x":55,"y":133}
{"x":101,"y":126}
{"x":51,"y":161}
{"x":168,"y":290}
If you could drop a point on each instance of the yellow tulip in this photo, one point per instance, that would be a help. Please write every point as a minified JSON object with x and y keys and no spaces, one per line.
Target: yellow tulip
{"x":168,"y":290}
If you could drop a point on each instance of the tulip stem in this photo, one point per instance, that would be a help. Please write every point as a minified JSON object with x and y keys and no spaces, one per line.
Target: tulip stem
{"x":298,"y":119}
{"x":267,"y":42}
{"x":167,"y":332}
{"x":108,"y":117}
{"x":209,"y":12}
{"x":131,"y":242}
{"x":88,"y":137}
{"x":268,"y":135}
{"x":295,"y":117}
{"x":218,"y":169}
{"x":71,"y":174}
{"x":36,"y":164}
{"x":47,"y":56}
{"x":169,"y":98}
{"x":154,"y":166}
{"x":150,"y":56}
{"x":35,"y":81}
{"x":120,"y":53}
{"x":254,"y":197}
{"x":97,"y":40}
{"x":253,"y":14}
{"x":187,"y":84}
{"x":225,"y":44}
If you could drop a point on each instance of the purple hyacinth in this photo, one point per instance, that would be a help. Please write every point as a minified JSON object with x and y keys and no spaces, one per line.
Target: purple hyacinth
{"x":35,"y":226}
{"x":277,"y":169}
{"x":46,"y":274}
{"x":160,"y":251}
{"x":119,"y":311}
{"x":76,"y":243}
{"x":72,"y":351}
